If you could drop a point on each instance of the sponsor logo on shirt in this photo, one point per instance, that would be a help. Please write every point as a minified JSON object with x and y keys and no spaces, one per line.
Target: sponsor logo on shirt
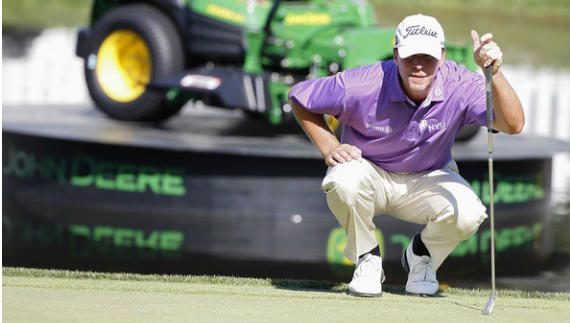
{"x":385,"y":129}
{"x":432,"y":127}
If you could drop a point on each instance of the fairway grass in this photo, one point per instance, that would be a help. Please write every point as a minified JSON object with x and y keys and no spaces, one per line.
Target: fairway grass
{"x":57,"y":295}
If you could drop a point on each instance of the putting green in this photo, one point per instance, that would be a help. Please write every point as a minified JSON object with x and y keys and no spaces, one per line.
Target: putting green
{"x":56,"y":295}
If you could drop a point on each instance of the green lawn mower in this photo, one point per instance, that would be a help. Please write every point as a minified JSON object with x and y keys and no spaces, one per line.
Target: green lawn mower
{"x":144,"y":59}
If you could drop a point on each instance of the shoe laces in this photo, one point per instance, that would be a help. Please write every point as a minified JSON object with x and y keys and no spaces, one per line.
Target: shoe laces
{"x":367,"y":264}
{"x":424,"y":268}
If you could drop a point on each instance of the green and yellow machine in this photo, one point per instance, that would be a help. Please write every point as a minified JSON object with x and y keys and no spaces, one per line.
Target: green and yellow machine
{"x":145,"y":58}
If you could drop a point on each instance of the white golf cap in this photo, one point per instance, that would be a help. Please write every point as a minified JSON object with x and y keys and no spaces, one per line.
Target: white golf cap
{"x":419,"y":34}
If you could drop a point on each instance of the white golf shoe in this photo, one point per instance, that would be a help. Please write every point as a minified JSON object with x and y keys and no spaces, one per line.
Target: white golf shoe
{"x":368,"y":277}
{"x":421,"y":277}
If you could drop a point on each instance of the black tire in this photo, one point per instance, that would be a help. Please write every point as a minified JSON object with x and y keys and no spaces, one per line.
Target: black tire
{"x":467,"y":133}
{"x":164,"y":51}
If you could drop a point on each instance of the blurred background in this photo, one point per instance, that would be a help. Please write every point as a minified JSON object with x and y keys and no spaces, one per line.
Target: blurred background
{"x":40,"y":68}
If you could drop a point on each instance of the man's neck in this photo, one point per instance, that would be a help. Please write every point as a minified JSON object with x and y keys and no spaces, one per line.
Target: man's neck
{"x":421,"y":102}
{"x":417,"y":98}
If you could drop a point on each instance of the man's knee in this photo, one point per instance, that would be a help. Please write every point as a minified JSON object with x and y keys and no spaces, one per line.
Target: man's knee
{"x":468,"y":223}
{"x":465,"y":221}
{"x":345,"y":182}
{"x":466,"y":208}
{"x":345,"y":192}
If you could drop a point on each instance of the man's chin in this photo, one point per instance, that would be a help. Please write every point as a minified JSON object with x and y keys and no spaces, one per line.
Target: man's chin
{"x":419,"y":82}
{"x":418,"y":92}
{"x":419,"y":88}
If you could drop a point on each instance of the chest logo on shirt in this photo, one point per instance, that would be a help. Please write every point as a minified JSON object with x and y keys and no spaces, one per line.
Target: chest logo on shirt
{"x":384,"y":129}
{"x":432,"y":127}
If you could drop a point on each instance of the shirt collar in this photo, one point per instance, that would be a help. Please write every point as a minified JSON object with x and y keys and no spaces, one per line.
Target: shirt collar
{"x":425,"y":103}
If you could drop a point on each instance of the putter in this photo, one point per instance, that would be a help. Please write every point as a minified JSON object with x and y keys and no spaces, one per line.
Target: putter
{"x":488,"y":89}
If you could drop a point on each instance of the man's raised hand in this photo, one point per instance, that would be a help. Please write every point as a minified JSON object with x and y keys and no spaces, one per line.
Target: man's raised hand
{"x":486,"y":51}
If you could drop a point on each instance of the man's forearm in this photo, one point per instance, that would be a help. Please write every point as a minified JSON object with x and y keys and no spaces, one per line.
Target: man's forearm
{"x":316,"y":129}
{"x":509,"y":116}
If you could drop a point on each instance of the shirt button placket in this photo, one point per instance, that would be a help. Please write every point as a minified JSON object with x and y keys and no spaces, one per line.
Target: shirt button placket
{"x":411,"y":132}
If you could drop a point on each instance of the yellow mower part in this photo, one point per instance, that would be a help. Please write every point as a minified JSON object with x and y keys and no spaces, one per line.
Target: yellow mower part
{"x":123,"y":65}
{"x":332,"y":122}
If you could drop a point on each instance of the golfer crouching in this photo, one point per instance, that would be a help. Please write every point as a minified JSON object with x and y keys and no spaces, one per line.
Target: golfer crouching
{"x":400,"y":118}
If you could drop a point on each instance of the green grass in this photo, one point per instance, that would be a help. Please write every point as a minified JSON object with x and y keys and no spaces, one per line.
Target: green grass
{"x":528,"y":32}
{"x":55,"y":295}
{"x":532,"y":9}
{"x":45,"y":13}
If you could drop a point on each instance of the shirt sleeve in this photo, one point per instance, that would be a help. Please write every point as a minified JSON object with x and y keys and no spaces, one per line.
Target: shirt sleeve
{"x":324,"y":95}
{"x":476,"y":100}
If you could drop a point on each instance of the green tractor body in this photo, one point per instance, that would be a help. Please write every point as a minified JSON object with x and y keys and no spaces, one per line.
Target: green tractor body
{"x":145,"y":59}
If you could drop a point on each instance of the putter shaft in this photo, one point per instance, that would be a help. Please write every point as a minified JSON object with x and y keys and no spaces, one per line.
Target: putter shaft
{"x":492,"y":213}
{"x":488,"y":88}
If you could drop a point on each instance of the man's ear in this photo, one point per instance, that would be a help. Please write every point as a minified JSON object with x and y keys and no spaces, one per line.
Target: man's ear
{"x":442,"y":57}
{"x":396,"y":57}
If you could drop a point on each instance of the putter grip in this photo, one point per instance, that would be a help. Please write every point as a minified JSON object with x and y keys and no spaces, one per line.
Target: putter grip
{"x":489,"y":93}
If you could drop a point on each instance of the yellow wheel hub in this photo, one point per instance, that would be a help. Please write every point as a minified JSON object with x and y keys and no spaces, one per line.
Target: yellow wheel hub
{"x":123,"y":65}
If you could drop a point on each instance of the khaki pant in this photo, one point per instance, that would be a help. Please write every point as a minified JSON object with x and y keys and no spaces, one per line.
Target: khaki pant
{"x":441,"y":199}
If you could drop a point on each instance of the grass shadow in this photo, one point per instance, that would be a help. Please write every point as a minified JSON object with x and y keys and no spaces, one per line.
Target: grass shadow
{"x":463,"y":305}
{"x":310,"y":285}
{"x":334,"y":287}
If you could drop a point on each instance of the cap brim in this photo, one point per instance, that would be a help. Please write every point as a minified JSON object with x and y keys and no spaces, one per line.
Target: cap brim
{"x":433,"y":49}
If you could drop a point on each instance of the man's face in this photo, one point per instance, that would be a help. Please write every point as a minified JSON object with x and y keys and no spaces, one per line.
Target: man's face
{"x":417,"y":73}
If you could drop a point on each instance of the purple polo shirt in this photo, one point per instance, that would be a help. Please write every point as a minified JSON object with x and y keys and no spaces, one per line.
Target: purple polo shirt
{"x":390,"y":130}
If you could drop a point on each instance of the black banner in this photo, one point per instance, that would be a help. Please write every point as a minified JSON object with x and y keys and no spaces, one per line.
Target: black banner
{"x":111,"y":207}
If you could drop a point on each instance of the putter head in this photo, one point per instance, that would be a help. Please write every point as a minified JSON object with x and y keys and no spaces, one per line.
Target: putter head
{"x":489,"y":306}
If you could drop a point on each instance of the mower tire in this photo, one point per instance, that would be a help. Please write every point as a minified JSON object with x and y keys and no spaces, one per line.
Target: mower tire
{"x":129,"y":47}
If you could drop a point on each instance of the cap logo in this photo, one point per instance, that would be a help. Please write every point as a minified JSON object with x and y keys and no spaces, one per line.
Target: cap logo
{"x":417,"y":30}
